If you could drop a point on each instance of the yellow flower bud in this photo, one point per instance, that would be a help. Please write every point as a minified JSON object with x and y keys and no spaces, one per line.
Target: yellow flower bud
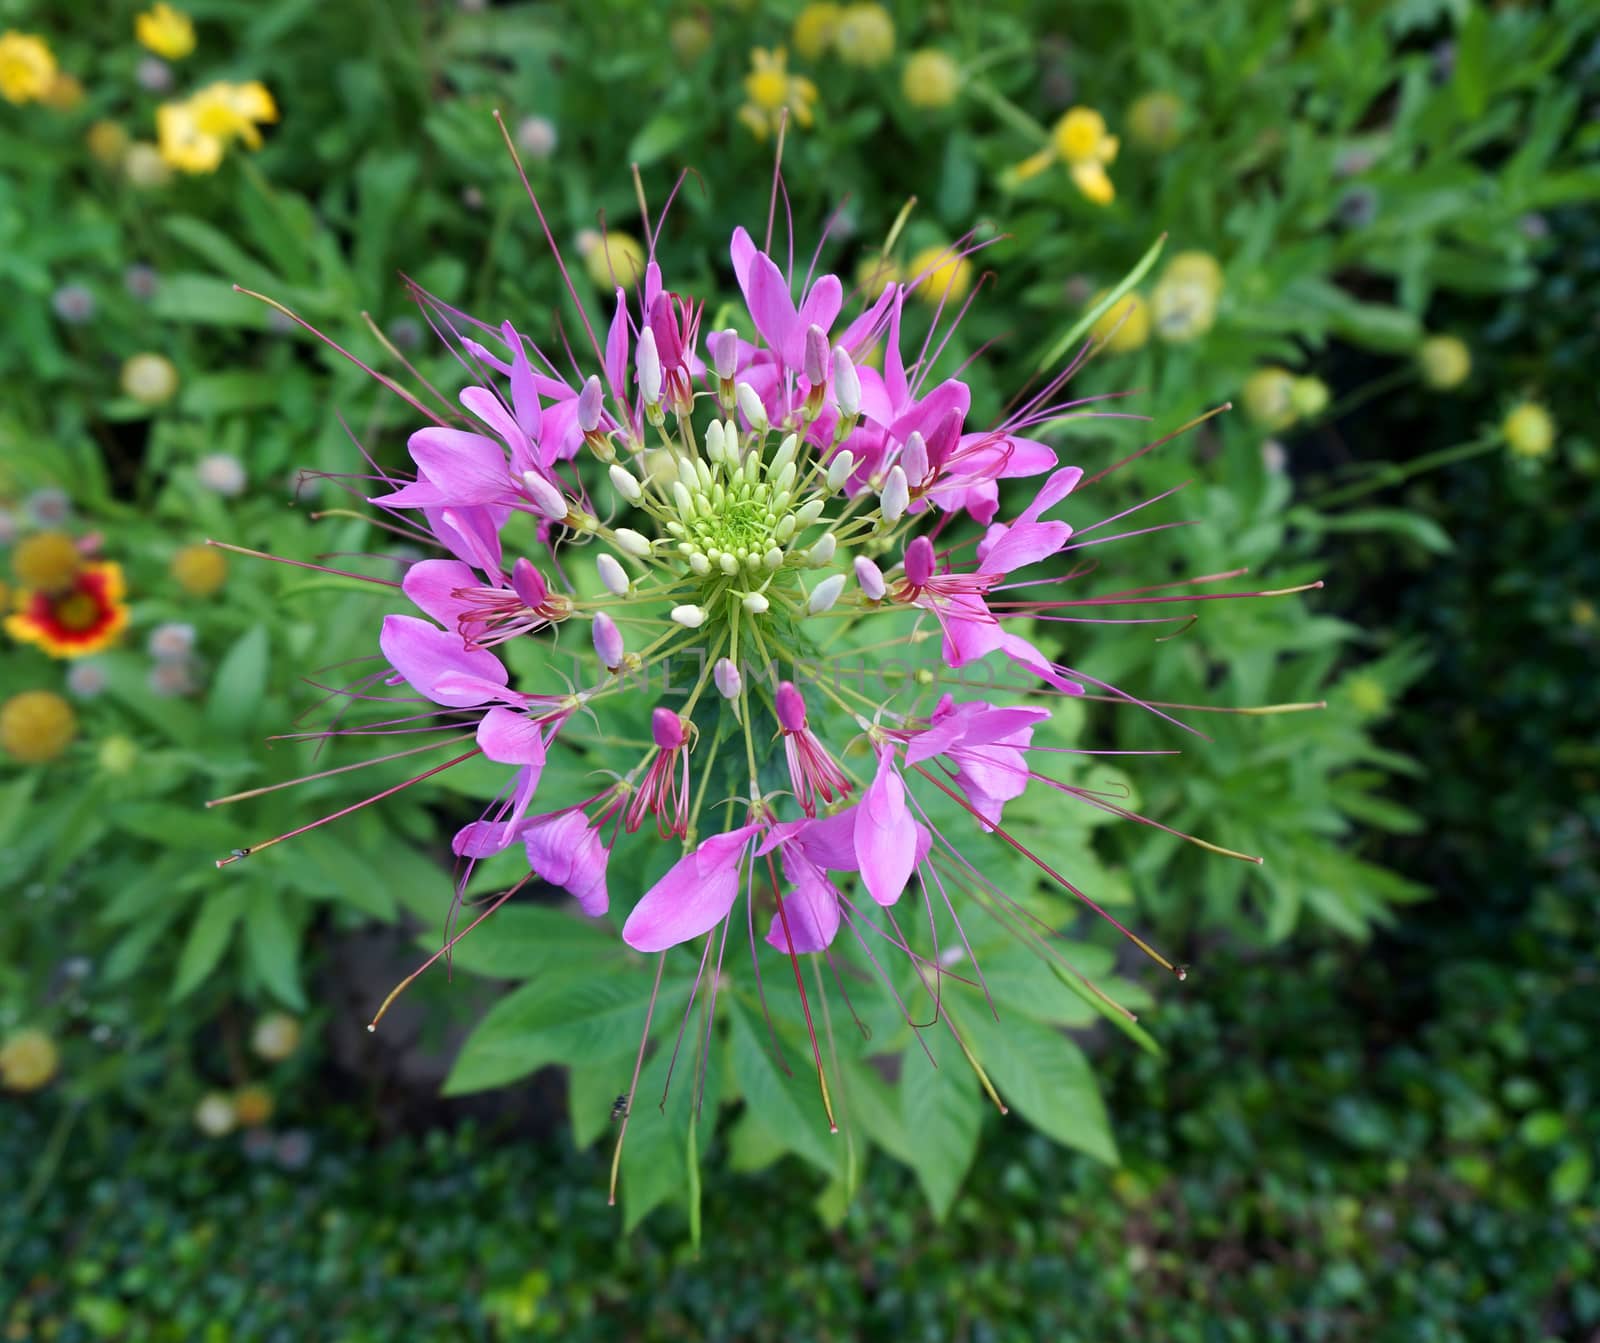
{"x":36,"y":726}
{"x":1445,"y":362}
{"x":814,"y":29}
{"x":1529,"y":430}
{"x":46,"y":562}
{"x":1367,"y":695}
{"x":118,"y":755}
{"x":199,"y":570}
{"x":166,"y":31}
{"x":150,"y":379}
{"x":689,"y":37}
{"x":1124,"y":326}
{"x":275,"y":1037}
{"x":1268,"y":397}
{"x":28,"y":1059}
{"x":865,"y":36}
{"x":1309,"y":396}
{"x":144,"y":167}
{"x":252,"y":1106}
{"x":1199,"y":268}
{"x":108,"y":142}
{"x":613,"y":258}
{"x":876,"y":273}
{"x":1153,"y":119}
{"x":948,"y":278}
{"x":931,"y":79}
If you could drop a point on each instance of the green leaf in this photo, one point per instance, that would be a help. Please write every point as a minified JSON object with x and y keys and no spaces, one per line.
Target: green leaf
{"x":1570,"y":1180}
{"x":240,"y":682}
{"x":1076,"y":331}
{"x":208,"y":939}
{"x":657,"y":138}
{"x":788,"y":1105}
{"x":273,"y":946}
{"x":565,"y":1016}
{"x":942,"y":1112}
{"x":524,"y":941}
{"x":1043,"y":1075}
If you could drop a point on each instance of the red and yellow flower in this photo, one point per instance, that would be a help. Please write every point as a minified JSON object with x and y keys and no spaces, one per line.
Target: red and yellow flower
{"x":86,"y":615}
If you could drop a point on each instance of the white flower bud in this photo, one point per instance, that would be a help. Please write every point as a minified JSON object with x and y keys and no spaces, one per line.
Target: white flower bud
{"x":714,"y":440}
{"x":809,"y":512}
{"x":648,"y":363}
{"x":822,"y":552}
{"x":724,"y":347}
{"x":700,"y":564}
{"x":690,"y":617}
{"x":622,"y":479}
{"x":607,"y":641}
{"x":612,"y":574}
{"x":756,"y":603}
{"x":729,"y":563}
{"x":825,"y":594}
{"x":727,"y":677}
{"x":589,"y":402}
{"x":896,"y":495}
{"x":751,"y":408}
{"x":871,"y":578}
{"x":846,"y":383}
{"x":915,"y":457}
{"x":839,"y":469}
{"x":683,"y":499}
{"x":783,"y":456}
{"x":546,"y":497}
{"x":631,"y":542}
{"x":773,"y":559}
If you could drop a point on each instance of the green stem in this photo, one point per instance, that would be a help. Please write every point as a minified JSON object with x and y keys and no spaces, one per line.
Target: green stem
{"x":1390,"y":474}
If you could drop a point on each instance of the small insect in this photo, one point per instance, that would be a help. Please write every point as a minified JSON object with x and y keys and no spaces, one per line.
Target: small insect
{"x":619,"y":1109}
{"x":241,"y":853}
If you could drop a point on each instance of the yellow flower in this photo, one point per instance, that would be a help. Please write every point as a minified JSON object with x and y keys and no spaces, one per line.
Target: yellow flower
{"x":1125,"y":325}
{"x":48,"y":561}
{"x":612,"y":259}
{"x":28,"y":1060}
{"x":814,"y":29}
{"x":1079,"y":140}
{"x":946,"y":277}
{"x":770,"y":88}
{"x":199,"y":570}
{"x":27,"y":67}
{"x":87,"y":615}
{"x":108,"y":142}
{"x":1309,"y":396}
{"x":876,"y":273}
{"x":865,"y":36}
{"x":1529,"y":430}
{"x":1183,"y":305}
{"x":150,"y":379}
{"x":931,"y":79}
{"x":36,"y":726}
{"x":166,"y":31}
{"x":1153,"y":120}
{"x":1268,"y":397}
{"x":194,"y":133}
{"x":1445,"y":362}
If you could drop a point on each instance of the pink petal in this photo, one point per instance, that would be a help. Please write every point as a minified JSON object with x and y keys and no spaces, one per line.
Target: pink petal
{"x":524,"y":393}
{"x":431,"y":584}
{"x":511,"y":738}
{"x":565,"y":851}
{"x":424,"y":655}
{"x":885,"y":834}
{"x":468,"y":468}
{"x":811,"y":909}
{"x":694,"y":896}
{"x":1024,"y":544}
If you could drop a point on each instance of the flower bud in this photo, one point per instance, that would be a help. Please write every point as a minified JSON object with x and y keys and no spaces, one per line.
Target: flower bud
{"x":727,"y":677}
{"x":914,"y":456}
{"x":783,"y":458}
{"x":612,"y":574}
{"x":623,"y":482}
{"x":548,"y":501}
{"x":589,"y":403}
{"x":750,"y":407}
{"x":756,"y":603}
{"x":825,"y":594}
{"x":791,"y":706}
{"x":667,"y":729}
{"x":839,"y":469}
{"x":871,"y":578}
{"x":822,"y":551}
{"x":631,"y":542}
{"x":815,"y":363}
{"x":607,"y":641}
{"x":846,"y":383}
{"x":690,"y":617}
{"x":919,"y":562}
{"x":648,"y":364}
{"x":896,"y":495}
{"x":724,"y":348}
{"x":714,"y":440}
